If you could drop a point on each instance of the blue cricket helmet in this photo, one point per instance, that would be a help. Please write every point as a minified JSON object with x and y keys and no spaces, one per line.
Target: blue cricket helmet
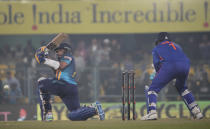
{"x":65,"y":46}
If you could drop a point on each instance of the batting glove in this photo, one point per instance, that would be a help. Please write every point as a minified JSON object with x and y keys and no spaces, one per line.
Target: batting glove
{"x":41,"y":53}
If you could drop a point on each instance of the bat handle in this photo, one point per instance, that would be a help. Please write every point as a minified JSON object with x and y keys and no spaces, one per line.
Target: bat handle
{"x":46,"y":52}
{"x":51,"y":46}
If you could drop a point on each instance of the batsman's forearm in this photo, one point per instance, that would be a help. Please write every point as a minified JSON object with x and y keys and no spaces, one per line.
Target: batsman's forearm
{"x":52,"y":63}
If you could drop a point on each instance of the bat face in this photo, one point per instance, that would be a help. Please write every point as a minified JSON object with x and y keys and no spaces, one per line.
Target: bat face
{"x":57,"y":41}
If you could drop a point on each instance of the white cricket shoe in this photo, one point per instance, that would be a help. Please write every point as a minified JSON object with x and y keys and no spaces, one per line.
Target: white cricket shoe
{"x":197,"y":113}
{"x":152,"y":115}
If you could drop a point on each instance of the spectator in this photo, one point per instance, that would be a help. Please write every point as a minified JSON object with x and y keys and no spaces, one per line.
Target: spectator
{"x":203,"y":46}
{"x":204,"y":87}
{"x":79,"y":61}
{"x":29,"y":53}
{"x":1,"y":92}
{"x":14,"y":94}
{"x":19,"y":52}
{"x":127,"y":63}
{"x":14,"y":86}
{"x":95,"y":52}
{"x":115,"y":54}
{"x":82,"y":49}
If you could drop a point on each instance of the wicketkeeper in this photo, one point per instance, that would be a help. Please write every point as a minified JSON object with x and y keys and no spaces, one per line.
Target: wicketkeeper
{"x":63,"y":85}
{"x":170,"y":63}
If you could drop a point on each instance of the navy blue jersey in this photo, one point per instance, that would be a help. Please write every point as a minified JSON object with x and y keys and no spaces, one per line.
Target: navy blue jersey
{"x":167,"y":51}
{"x":67,"y":74}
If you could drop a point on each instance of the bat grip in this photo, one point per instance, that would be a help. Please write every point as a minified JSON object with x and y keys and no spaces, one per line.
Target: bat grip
{"x":51,"y":46}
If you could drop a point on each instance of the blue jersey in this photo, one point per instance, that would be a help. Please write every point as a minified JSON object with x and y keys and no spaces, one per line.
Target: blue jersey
{"x":167,"y":51}
{"x":67,"y":74}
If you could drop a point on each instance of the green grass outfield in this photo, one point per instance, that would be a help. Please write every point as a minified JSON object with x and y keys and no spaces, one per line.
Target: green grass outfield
{"x":110,"y":124}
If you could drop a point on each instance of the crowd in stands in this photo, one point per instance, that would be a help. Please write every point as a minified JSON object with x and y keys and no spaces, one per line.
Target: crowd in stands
{"x":100,"y":61}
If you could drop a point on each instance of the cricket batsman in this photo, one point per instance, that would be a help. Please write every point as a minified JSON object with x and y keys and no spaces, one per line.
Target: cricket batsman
{"x":63,"y":85}
{"x":170,"y":63}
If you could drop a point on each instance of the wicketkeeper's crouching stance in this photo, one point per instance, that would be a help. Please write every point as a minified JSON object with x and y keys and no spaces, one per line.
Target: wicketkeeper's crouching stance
{"x":170,"y":63}
{"x":63,"y":85}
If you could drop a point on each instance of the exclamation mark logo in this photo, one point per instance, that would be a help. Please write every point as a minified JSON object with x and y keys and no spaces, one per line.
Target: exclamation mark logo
{"x":34,"y":26}
{"x":206,"y":24}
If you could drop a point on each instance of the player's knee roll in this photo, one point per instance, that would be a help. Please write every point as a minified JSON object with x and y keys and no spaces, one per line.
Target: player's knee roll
{"x":185,"y":92}
{"x":152,"y":92}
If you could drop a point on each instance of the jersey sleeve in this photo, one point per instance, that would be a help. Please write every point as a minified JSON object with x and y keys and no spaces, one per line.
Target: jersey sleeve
{"x":67,"y":59}
{"x":156,"y":60}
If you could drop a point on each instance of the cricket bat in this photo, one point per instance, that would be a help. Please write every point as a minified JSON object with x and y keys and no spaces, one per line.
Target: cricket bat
{"x":56,"y":41}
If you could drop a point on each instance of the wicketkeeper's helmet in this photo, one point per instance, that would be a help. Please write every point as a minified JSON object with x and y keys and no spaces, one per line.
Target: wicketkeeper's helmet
{"x":161,"y":37}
